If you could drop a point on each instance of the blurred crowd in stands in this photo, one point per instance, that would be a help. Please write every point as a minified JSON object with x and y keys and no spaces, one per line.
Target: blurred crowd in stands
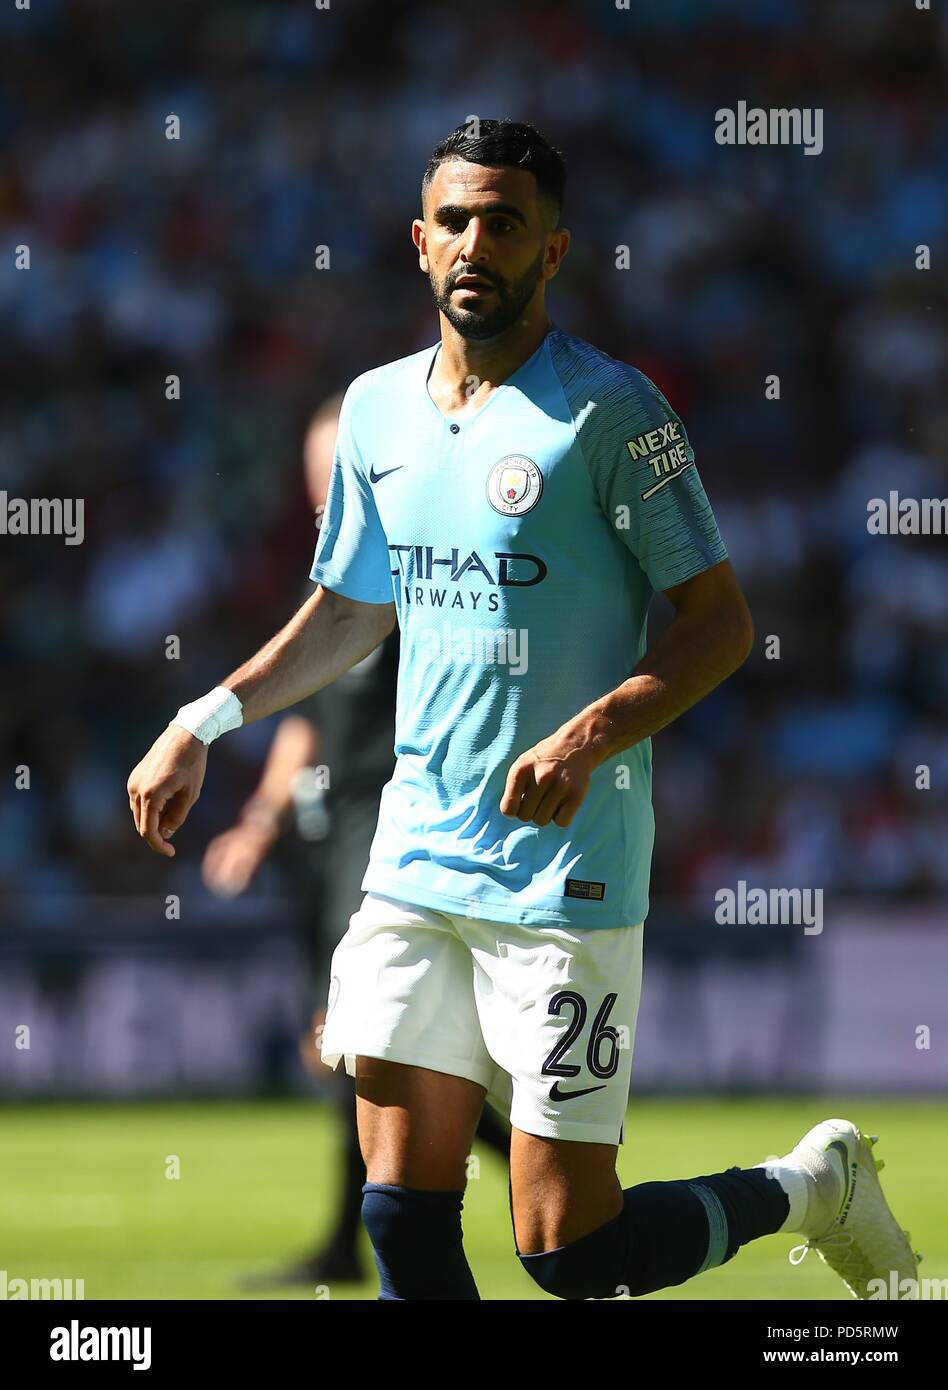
{"x":196,"y":257}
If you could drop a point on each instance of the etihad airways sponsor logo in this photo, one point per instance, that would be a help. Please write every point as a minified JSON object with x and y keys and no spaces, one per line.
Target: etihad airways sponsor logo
{"x":485,"y":576}
{"x":504,"y":568}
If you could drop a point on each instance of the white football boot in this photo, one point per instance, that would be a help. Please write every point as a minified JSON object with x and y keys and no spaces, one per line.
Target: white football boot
{"x":848,"y":1222}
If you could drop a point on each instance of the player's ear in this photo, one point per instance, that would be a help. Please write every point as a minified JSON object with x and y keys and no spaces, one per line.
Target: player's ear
{"x":420,"y":241}
{"x":555,"y":251}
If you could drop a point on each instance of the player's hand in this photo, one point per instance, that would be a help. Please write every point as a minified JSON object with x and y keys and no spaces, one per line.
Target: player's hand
{"x":549,"y":781}
{"x":232,"y":859}
{"x":165,"y":785}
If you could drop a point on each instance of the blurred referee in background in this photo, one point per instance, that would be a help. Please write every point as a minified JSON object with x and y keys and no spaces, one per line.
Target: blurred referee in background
{"x":347,"y":727}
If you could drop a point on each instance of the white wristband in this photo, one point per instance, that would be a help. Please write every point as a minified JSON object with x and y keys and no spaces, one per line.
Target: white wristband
{"x":214,"y":714}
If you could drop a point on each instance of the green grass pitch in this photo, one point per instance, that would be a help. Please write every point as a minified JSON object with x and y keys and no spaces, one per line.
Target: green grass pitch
{"x":83,"y":1192}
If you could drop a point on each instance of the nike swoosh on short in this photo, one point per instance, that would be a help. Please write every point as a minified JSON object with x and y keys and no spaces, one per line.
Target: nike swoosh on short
{"x":557,"y":1094}
{"x":377,"y":477}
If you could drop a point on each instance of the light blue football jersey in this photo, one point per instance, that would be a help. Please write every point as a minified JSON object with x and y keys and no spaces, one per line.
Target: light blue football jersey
{"x":521,"y":545}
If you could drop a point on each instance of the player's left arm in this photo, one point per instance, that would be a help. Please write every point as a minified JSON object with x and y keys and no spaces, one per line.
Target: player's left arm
{"x":710,"y":636}
{"x":643,"y":470}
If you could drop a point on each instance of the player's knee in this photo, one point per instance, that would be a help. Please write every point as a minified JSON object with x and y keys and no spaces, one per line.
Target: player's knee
{"x":416,"y":1238}
{"x":586,"y":1268}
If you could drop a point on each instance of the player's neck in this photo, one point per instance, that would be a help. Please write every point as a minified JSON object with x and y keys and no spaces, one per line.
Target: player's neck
{"x":466,"y":371}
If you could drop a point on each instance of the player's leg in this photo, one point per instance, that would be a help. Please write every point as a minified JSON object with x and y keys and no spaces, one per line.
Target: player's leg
{"x":402,"y":1014}
{"x":416,"y":1128}
{"x":826,"y":1189}
{"x":558,"y":1011}
{"x":560,"y":1190}
{"x":579,"y":1235}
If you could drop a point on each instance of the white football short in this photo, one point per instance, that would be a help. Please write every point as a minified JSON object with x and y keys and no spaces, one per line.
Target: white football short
{"x":542,"y":1017}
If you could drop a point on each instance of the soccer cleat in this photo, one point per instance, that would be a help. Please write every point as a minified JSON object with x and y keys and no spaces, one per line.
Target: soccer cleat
{"x":848,"y":1221}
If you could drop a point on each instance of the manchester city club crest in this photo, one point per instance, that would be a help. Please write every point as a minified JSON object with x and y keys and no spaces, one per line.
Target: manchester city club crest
{"x":514,"y":485}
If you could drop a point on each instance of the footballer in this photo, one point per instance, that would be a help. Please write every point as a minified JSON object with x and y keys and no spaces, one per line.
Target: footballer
{"x":512,"y":497}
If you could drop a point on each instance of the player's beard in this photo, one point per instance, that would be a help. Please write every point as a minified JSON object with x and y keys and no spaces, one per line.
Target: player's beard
{"x":512,"y":300}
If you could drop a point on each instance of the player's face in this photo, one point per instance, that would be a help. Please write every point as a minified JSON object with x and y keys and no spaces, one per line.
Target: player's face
{"x":485,"y":243}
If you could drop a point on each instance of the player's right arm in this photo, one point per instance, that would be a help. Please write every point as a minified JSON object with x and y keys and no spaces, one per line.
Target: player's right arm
{"x":344,"y":620}
{"x":326,"y":637}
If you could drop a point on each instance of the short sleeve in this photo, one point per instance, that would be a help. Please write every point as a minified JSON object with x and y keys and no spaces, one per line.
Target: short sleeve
{"x":352,"y":556}
{"x":643,"y":468}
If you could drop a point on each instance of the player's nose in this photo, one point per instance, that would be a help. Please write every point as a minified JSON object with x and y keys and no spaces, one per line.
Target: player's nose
{"x":475,"y":241}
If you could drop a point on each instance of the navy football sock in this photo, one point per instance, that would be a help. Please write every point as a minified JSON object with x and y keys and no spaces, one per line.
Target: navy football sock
{"x":416,"y":1237}
{"x":666,"y":1233}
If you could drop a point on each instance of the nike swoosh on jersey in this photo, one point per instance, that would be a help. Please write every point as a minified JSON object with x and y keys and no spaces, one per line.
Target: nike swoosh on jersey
{"x":377,"y":477}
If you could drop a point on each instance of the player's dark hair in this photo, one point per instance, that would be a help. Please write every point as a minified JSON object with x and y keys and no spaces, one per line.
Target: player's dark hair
{"x":514,"y":143}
